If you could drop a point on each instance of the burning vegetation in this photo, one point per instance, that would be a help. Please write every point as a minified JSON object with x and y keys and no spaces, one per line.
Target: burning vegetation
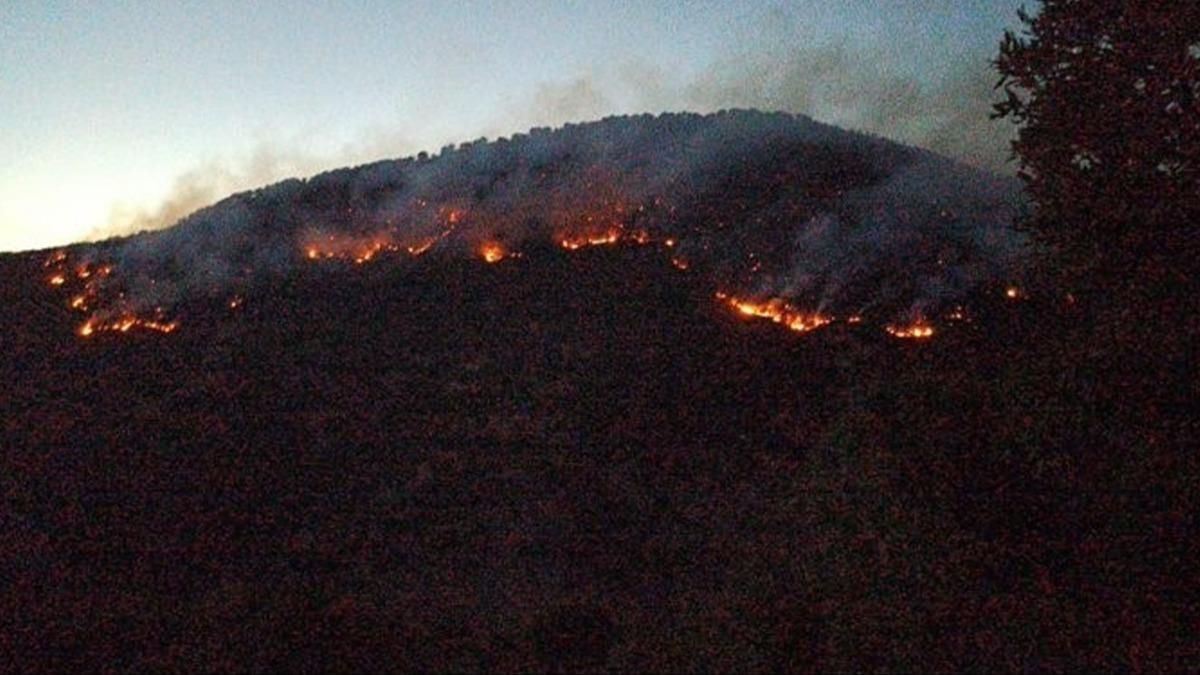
{"x":492,"y":252}
{"x":777,"y":311}
{"x":759,"y":206}
{"x":919,"y":330}
{"x":110,"y":312}
{"x":126,"y":324}
{"x":107,"y":308}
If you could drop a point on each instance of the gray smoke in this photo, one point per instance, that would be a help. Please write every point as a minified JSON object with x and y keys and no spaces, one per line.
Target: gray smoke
{"x":853,"y":89}
{"x":768,"y":204}
{"x":850,"y":87}
{"x":218,"y":177}
{"x":836,"y":84}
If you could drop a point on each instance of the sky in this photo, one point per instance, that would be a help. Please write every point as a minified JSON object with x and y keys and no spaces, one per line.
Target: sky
{"x":120,"y":116}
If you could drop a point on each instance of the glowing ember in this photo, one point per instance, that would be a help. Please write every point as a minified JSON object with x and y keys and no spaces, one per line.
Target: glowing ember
{"x":361,"y":250}
{"x":777,"y":311}
{"x":418,"y":249}
{"x":492,"y":252}
{"x":126,"y":324}
{"x":679,"y":263}
{"x":612,"y":236}
{"x":58,"y":280}
{"x":1012,"y":293}
{"x":235,"y":302}
{"x":916,"y":331}
{"x":854,"y":318}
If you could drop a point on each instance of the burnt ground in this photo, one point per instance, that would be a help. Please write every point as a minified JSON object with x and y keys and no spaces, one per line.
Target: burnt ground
{"x":577,"y":463}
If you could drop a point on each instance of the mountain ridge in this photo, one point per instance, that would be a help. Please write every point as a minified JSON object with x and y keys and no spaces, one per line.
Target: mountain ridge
{"x":766,"y":205}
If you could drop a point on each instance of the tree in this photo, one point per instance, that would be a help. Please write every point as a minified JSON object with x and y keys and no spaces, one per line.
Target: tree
{"x":1106,"y":96}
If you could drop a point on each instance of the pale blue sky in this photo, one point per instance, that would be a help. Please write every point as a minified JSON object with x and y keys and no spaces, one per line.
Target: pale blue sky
{"x":106,"y":104}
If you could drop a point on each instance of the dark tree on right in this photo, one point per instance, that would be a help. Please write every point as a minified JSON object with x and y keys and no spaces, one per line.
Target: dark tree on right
{"x":1106,"y":97}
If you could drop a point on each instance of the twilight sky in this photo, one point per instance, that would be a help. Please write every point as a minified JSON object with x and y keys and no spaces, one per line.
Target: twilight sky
{"x":115,"y":116}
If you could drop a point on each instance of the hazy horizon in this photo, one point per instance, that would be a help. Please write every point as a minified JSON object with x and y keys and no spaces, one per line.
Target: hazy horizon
{"x":121,"y":117}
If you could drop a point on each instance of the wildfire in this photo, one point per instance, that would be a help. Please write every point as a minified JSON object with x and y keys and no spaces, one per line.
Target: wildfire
{"x":86,"y":280}
{"x":492,"y":252}
{"x":779,"y":312}
{"x":361,"y":250}
{"x":916,"y":331}
{"x":126,"y":324}
{"x":101,"y":300}
{"x":574,"y":243}
{"x":356,"y":250}
{"x":417,"y":249}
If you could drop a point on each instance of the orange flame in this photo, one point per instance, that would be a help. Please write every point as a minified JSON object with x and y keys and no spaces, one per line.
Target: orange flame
{"x":916,"y":331}
{"x":779,"y":312}
{"x":423,"y":246}
{"x":492,"y":252}
{"x":126,"y":324}
{"x":576,"y":242}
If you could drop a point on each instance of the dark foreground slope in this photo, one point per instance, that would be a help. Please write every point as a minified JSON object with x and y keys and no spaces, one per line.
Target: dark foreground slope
{"x":566,"y":462}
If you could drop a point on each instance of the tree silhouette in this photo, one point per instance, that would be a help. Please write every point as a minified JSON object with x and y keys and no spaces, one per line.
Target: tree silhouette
{"x":1105,"y":94}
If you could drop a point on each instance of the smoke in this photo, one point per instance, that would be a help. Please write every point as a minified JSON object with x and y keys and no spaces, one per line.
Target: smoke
{"x":925,"y":236}
{"x":204,"y":184}
{"x":770,"y":204}
{"x":848,"y":87}
{"x":576,"y":101}
{"x":216,"y":178}
{"x":853,"y":89}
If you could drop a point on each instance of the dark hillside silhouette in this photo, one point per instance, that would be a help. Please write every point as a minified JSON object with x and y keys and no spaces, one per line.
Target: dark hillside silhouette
{"x":579,"y":459}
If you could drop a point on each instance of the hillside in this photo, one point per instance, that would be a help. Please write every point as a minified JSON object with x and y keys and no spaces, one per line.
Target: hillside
{"x":763,"y":205}
{"x":574,"y":457}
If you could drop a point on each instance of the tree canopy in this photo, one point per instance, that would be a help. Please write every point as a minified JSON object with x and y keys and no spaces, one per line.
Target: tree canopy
{"x":1105,"y":94}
